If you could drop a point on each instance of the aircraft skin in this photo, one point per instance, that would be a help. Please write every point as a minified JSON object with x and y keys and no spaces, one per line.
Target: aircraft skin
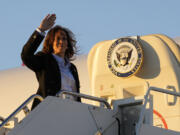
{"x":154,"y":61}
{"x":17,"y":84}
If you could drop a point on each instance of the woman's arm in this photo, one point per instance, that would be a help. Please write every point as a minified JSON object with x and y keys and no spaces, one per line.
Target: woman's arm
{"x":35,"y":62}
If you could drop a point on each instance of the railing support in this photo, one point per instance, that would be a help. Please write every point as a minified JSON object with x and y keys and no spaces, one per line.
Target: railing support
{"x":138,"y":126}
{"x":84,"y":96}
{"x":21,"y":107}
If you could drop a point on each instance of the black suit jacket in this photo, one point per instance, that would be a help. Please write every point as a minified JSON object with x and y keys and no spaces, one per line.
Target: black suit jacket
{"x":45,"y":67}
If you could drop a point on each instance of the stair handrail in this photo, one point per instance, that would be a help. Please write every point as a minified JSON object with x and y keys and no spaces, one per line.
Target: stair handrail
{"x":84,"y":96}
{"x":142,"y":113}
{"x":34,"y":96}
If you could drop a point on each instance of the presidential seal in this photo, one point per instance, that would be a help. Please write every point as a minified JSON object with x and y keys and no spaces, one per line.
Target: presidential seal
{"x":125,"y":57}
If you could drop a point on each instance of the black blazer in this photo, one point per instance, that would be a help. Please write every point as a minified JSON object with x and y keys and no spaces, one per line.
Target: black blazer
{"x":45,"y":67}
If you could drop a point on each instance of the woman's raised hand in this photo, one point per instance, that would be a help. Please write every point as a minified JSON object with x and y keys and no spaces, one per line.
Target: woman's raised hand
{"x":47,"y":22}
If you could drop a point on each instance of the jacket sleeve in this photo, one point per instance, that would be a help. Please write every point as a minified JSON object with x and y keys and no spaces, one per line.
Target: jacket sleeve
{"x":34,"y":62}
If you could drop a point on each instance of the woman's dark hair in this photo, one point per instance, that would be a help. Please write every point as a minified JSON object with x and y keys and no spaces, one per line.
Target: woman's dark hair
{"x":50,"y":37}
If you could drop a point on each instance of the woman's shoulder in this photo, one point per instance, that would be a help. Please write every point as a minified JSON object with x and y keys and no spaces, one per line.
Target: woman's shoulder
{"x":45,"y":56}
{"x":73,"y":66}
{"x":40,"y":53}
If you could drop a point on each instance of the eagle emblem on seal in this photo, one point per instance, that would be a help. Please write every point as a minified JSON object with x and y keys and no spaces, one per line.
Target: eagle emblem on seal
{"x":124,"y":55}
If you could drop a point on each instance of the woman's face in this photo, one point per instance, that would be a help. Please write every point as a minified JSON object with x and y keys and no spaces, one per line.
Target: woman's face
{"x":60,"y":43}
